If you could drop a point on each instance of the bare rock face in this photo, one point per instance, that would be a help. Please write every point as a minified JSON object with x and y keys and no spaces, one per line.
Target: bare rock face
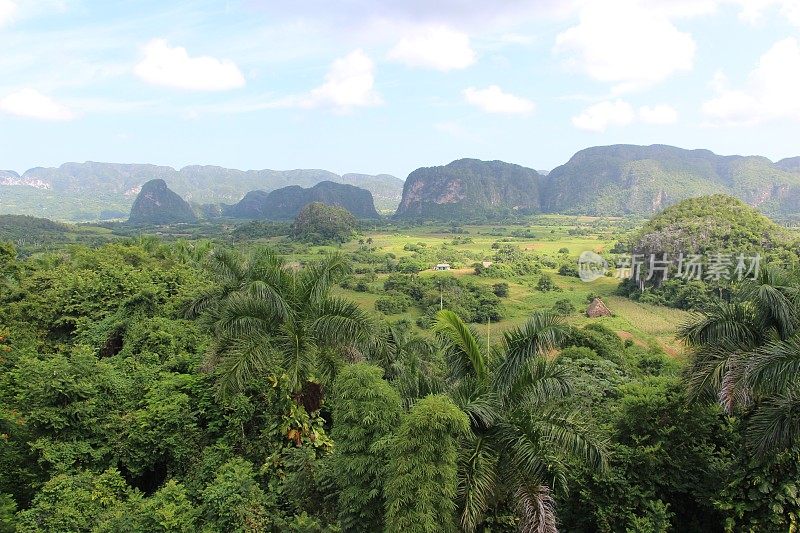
{"x":157,"y":204}
{"x":469,"y":187}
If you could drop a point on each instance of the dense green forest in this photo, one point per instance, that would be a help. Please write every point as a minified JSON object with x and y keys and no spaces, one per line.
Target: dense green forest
{"x":148,"y":385}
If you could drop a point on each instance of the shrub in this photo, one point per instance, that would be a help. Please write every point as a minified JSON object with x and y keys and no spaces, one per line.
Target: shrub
{"x":563,"y":307}
{"x":545,"y":284}
{"x":361,"y":286}
{"x":500,"y":289}
{"x":393,"y":303}
{"x":568,"y":269}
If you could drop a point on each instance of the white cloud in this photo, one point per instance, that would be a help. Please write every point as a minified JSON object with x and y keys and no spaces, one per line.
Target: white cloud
{"x":682,"y":8}
{"x":172,"y":67}
{"x":658,"y":114}
{"x":7,"y":11}
{"x":434,"y":47}
{"x":599,"y":117}
{"x":493,"y":100}
{"x":770,"y":91}
{"x":30,"y":103}
{"x":626,"y":44}
{"x":348,"y":84}
{"x":754,"y":11}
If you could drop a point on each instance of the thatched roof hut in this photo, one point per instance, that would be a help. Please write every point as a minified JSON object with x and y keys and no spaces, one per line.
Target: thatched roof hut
{"x":597,"y":309}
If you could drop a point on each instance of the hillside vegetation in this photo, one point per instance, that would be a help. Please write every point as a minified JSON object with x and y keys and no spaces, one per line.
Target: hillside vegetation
{"x":468,"y":188}
{"x":718,"y":223}
{"x":150,"y":385}
{"x":286,"y":203}
{"x":157,"y":204}
{"x":601,"y":181}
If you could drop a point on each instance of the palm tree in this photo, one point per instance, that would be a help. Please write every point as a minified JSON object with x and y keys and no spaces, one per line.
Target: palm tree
{"x":266,"y":314}
{"x":746,"y":356}
{"x":412,"y":363}
{"x":520,"y":439}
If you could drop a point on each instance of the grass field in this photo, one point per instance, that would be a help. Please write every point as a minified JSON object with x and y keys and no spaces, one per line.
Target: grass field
{"x":544,"y":237}
{"x":645,"y":324}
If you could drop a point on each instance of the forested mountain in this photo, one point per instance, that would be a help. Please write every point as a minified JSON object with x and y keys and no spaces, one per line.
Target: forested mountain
{"x":710,"y":224}
{"x":286,"y":203}
{"x":157,"y":204}
{"x":621,"y":179}
{"x":90,"y":191}
{"x":469,"y":187}
{"x":603,"y":180}
{"x":791,"y":164}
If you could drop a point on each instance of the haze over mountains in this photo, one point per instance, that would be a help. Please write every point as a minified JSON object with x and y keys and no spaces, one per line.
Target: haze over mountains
{"x":91,"y":191}
{"x":605,"y":180}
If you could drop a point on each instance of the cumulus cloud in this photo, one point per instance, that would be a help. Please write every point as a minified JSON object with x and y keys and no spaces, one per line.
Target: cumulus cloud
{"x":30,"y":103}
{"x":493,"y":100}
{"x":173,"y":67}
{"x":435,"y":47}
{"x":625,"y":44}
{"x":348,"y":84}
{"x":601,"y":116}
{"x":658,"y":114}
{"x":769,"y":93}
{"x":7,"y":11}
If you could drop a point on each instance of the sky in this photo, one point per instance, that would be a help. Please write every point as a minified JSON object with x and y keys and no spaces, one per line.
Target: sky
{"x":389,"y":86}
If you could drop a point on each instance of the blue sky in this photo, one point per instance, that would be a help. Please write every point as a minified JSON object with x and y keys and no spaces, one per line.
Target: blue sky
{"x":389,"y":86}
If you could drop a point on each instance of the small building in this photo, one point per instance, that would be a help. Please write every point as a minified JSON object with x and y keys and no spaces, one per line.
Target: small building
{"x":442,"y":266}
{"x":487,"y":264}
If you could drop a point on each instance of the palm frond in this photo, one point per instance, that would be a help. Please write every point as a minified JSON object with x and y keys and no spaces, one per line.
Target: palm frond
{"x":775,"y":426}
{"x":722,"y":322}
{"x":316,"y":279}
{"x":202,"y":302}
{"x":271,"y":298}
{"x":477,"y":481}
{"x":462,"y":345}
{"x":542,"y":333}
{"x":536,"y":509}
{"x":775,"y":367}
{"x":227,"y":266}
{"x":240,"y":360}
{"x":241,"y":315}
{"x":716,"y":374}
{"x":543,"y":382}
{"x":562,"y":433}
{"x":340,"y":322}
{"x":774,"y":302}
{"x":482,"y":406}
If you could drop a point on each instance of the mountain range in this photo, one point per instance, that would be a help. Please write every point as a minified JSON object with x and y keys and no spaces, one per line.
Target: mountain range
{"x":603,"y":180}
{"x":92,"y":191}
